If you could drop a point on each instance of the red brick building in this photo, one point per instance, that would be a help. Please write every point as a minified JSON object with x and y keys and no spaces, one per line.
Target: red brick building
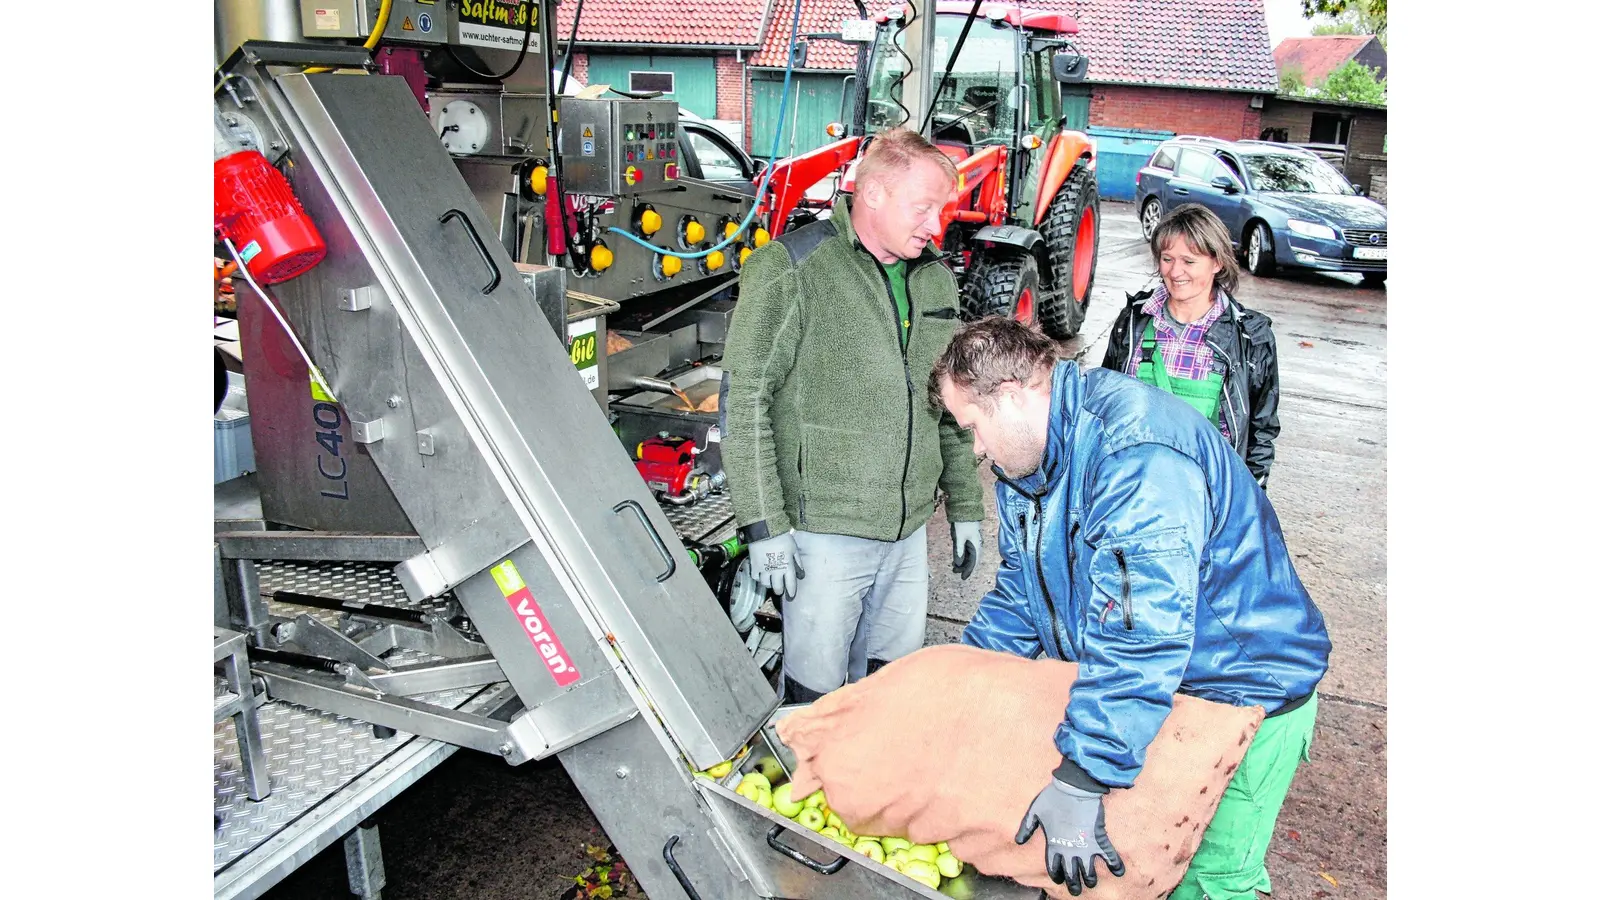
{"x":1189,"y":68}
{"x":1315,"y":58}
{"x":696,"y":51}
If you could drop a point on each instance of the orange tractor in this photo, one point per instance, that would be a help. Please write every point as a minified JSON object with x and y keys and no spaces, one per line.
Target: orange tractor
{"x":1022,"y":228}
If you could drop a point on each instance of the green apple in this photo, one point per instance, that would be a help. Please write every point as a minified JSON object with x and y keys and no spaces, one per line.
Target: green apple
{"x":924,"y":852}
{"x":832,"y":818}
{"x":810,"y":818}
{"x":943,"y":847}
{"x":764,"y":797}
{"x":756,"y":778}
{"x":831,"y":833}
{"x":923,"y":871}
{"x":816,"y":799}
{"x":748,"y":790}
{"x":721,"y":769}
{"x":891,"y":844}
{"x":770,"y":767}
{"x":848,"y":836}
{"x":948,"y":865}
{"x":897,"y":858}
{"x":870,"y":849}
{"x":784,"y":803}
{"x":897,"y":864}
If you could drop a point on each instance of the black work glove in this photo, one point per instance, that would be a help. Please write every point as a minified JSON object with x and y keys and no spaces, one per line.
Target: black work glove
{"x":1074,"y":822}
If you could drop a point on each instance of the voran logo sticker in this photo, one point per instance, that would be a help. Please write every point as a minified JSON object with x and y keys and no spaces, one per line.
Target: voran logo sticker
{"x":544,"y":640}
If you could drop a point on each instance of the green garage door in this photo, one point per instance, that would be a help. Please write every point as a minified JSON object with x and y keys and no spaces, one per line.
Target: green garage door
{"x":694,"y":80}
{"x":819,"y":100}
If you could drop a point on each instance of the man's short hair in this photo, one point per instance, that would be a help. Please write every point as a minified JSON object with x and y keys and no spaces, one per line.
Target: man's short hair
{"x":988,"y":353}
{"x":891,"y":154}
{"x":1203,"y":231}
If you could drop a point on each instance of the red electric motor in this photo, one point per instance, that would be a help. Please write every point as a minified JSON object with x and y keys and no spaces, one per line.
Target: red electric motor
{"x":258,"y":212}
{"x":666,"y":462}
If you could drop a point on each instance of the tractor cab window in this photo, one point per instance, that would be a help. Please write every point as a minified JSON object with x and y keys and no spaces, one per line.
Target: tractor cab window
{"x":982,"y":100}
{"x":1044,"y":106}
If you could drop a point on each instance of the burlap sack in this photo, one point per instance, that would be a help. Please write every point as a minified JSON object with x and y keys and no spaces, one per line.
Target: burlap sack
{"x":952,"y":743}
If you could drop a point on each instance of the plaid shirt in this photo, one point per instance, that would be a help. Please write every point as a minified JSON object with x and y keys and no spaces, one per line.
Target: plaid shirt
{"x":1183,"y":347}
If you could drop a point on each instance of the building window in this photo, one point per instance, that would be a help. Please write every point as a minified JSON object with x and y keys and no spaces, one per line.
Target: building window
{"x":1329,"y":128}
{"x":650,"y":82}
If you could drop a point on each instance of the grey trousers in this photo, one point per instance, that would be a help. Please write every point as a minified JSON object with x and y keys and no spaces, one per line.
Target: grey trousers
{"x":861,"y":601}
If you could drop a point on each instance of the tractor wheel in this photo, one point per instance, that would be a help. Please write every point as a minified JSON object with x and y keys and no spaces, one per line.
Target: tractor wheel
{"x":221,"y":381}
{"x":1071,"y":230}
{"x":1001,"y":287}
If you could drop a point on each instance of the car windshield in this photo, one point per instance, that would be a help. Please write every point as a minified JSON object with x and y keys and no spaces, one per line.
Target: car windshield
{"x":1294,"y":174}
{"x":980,"y":92}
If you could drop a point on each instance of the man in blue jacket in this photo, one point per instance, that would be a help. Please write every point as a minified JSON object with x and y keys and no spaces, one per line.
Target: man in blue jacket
{"x":1135,"y":543}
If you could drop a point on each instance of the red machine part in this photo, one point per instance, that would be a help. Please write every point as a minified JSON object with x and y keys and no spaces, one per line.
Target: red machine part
{"x":1063,"y":153}
{"x":666,"y":462}
{"x":793,"y":177}
{"x":258,"y":212}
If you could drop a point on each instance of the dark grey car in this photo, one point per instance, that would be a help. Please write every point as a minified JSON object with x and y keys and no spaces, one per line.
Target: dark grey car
{"x":1283,"y":206}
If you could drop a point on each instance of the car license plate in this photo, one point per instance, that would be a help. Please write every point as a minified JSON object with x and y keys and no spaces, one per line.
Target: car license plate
{"x":1372,"y":253}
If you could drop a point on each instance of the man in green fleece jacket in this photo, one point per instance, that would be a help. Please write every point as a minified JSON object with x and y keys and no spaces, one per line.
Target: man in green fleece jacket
{"x":833,"y":456}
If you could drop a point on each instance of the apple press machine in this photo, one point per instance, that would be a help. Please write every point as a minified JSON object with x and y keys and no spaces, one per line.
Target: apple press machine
{"x":472,"y":560}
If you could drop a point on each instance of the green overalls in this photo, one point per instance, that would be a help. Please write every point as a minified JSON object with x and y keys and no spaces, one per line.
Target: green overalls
{"x":1204,"y":394}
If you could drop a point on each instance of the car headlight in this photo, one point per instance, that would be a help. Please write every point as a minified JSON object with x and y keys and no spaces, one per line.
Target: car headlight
{"x":1311,"y":230}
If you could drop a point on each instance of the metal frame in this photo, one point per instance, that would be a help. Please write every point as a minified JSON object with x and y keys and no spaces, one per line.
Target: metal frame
{"x":544,"y":537}
{"x":241,"y":704}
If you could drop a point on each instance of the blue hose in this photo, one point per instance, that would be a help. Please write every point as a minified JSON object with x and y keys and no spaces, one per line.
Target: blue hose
{"x":783,"y":105}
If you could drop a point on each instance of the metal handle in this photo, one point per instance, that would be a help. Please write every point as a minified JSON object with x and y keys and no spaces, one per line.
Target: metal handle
{"x":655,"y":538}
{"x":476,"y":242}
{"x":801,"y":858}
{"x":677,"y":872}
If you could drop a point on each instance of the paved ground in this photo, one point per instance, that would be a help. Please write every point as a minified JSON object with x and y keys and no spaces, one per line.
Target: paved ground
{"x":476,"y":828}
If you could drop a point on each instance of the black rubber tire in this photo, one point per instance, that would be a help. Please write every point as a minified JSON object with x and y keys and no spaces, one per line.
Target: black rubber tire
{"x":1061,"y":313}
{"x":993,"y":286}
{"x":1374,"y":279}
{"x":1266,"y":264}
{"x":1149,"y":215}
{"x":220,"y":382}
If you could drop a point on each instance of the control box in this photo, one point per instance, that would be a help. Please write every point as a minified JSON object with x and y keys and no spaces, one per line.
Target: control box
{"x":410,"y":21}
{"x":617,"y":148}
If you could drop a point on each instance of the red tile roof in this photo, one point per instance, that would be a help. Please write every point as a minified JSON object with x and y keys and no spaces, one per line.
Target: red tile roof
{"x":706,"y":23}
{"x":1317,"y":57}
{"x":816,"y":16}
{"x":1219,"y":44}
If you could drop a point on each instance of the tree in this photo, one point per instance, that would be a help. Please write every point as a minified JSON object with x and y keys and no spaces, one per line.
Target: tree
{"x":1313,"y":8}
{"x":1349,"y":17}
{"x":1355,"y":83}
{"x":1292,"y":81}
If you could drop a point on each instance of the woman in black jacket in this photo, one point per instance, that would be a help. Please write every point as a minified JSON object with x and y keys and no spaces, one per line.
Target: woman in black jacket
{"x":1191,"y":338}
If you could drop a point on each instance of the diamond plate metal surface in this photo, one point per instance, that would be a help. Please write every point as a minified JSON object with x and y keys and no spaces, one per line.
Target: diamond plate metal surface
{"x":702,"y":519}
{"x":311,"y":755}
{"x":364,"y":581}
